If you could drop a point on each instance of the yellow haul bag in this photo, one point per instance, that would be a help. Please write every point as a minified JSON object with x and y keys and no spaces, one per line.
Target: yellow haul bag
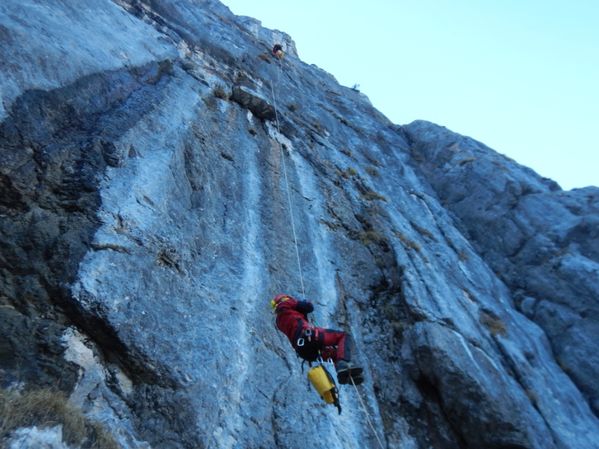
{"x":323,"y":384}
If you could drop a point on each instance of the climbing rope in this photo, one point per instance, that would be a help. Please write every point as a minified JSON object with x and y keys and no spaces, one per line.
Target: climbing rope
{"x":368,"y":419}
{"x":299,"y":263}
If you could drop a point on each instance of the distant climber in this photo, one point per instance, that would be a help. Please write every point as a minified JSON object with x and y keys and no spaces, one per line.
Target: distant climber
{"x":277,"y":51}
{"x":311,"y":342}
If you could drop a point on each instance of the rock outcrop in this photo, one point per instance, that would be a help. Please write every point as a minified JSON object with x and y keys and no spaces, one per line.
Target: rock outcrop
{"x":147,"y":196}
{"x":541,"y":241}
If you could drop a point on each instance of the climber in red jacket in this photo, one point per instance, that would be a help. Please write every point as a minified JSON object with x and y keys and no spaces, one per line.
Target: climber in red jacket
{"x":311,"y":342}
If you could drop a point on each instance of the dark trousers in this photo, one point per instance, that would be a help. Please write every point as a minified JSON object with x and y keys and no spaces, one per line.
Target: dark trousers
{"x":330,"y":343}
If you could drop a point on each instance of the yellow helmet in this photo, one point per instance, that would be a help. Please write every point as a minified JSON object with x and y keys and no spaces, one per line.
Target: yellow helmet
{"x":278,"y":300}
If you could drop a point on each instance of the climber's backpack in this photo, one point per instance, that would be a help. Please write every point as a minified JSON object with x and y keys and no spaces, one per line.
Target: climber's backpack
{"x":323,"y":383}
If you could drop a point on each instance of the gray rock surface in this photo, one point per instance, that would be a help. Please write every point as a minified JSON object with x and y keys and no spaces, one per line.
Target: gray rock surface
{"x":34,"y":438}
{"x":146,"y":224}
{"x":541,"y":241}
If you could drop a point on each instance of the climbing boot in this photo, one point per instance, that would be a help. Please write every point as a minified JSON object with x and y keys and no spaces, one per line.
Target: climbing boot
{"x":357,"y":379}
{"x":345,"y":370}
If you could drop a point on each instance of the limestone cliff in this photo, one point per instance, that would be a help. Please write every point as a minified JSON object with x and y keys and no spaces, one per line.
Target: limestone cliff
{"x":145,"y":194}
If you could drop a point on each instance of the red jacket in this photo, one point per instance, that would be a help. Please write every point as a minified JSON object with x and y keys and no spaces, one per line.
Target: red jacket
{"x":292,"y":318}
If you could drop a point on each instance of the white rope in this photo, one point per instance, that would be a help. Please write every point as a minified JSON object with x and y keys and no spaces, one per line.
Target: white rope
{"x":370,"y":423}
{"x":299,"y":263}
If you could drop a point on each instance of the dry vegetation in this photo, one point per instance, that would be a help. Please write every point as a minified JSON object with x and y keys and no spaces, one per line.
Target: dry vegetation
{"x":423,"y":231}
{"x":49,"y":408}
{"x":372,"y":171}
{"x":220,"y":92}
{"x":493,"y":324}
{"x":371,"y":236}
{"x":371,"y":195}
{"x":348,"y":173}
{"x":406,"y":242}
{"x":347,"y":152}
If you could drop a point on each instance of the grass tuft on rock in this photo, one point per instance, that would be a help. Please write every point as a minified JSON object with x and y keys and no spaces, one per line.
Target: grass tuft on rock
{"x":220,"y":92}
{"x":493,"y":323}
{"x":49,"y":408}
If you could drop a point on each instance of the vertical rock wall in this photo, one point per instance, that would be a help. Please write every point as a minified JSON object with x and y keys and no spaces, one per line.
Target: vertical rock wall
{"x":146,"y":224}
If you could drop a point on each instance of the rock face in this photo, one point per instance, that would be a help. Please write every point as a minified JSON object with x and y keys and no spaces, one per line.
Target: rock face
{"x":149,"y":203}
{"x":541,"y":241}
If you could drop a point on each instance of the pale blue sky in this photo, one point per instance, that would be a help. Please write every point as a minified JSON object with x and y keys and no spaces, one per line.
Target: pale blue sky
{"x":521,"y":76}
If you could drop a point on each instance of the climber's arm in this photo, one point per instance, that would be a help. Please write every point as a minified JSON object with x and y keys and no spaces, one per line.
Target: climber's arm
{"x":304,"y":307}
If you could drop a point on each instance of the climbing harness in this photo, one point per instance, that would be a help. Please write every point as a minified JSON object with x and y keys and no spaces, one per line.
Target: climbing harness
{"x":306,"y":335}
{"x":306,"y":344}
